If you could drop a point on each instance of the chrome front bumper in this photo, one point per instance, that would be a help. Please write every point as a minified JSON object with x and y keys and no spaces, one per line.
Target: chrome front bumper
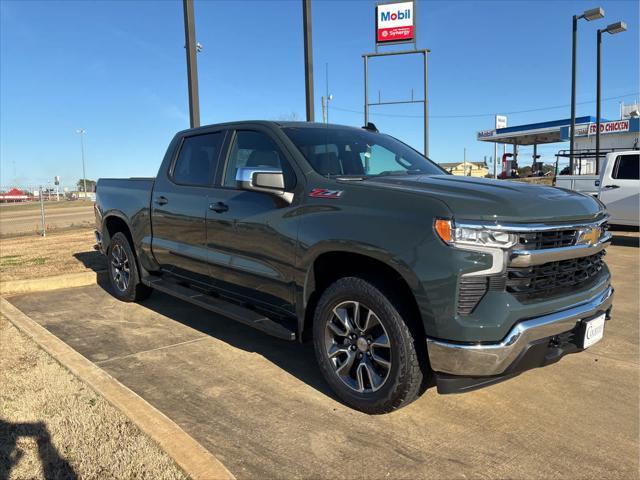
{"x":487,"y":359}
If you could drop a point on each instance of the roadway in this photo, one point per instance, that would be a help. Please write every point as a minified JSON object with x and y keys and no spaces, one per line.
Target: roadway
{"x":19,"y":219}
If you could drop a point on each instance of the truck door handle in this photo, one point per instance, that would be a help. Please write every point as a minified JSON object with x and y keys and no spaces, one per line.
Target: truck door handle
{"x":218,"y":207}
{"x":161,"y":200}
{"x":611,"y":187}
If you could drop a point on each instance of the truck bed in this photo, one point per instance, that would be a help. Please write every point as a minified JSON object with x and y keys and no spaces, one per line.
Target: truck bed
{"x":579,"y":183}
{"x":130,"y":197}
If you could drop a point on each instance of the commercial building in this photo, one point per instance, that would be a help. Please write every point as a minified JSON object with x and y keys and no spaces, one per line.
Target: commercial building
{"x":469,"y":169}
{"x":619,"y":134}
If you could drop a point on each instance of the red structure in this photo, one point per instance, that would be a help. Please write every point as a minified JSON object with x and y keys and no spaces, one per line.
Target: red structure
{"x":14,"y":195}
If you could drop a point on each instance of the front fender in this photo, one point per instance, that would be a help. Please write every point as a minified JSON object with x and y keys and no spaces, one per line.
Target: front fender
{"x":358,"y":248}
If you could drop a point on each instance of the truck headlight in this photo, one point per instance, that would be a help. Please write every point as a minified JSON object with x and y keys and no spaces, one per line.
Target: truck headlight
{"x":478,"y":238}
{"x":473,"y":235}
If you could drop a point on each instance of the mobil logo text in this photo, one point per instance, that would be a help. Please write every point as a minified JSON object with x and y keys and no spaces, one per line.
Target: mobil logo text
{"x":393,"y":16}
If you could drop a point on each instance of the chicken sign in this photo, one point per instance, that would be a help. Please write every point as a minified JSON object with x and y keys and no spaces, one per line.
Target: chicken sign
{"x":395,"y":22}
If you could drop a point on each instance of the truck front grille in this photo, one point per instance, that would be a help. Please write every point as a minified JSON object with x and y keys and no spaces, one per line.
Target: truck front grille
{"x":540,"y":281}
{"x":550,"y":239}
{"x":553,"y":278}
{"x":544,"y":240}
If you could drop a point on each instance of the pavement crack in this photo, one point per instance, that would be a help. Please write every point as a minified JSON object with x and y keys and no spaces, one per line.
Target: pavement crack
{"x":164,"y":347}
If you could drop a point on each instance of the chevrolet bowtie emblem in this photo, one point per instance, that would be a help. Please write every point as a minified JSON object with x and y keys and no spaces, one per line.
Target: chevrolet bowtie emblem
{"x":589,"y":236}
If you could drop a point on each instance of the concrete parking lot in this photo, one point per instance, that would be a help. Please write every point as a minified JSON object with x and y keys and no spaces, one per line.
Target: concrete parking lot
{"x":260,"y":405}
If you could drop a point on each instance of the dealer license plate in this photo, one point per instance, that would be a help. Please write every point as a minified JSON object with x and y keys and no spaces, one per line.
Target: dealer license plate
{"x":593,"y":331}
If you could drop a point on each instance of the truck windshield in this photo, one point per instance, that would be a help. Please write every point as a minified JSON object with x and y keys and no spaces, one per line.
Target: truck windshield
{"x":335,"y":151}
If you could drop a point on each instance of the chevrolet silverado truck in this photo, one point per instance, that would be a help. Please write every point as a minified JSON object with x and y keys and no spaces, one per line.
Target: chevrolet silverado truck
{"x":402,"y":275}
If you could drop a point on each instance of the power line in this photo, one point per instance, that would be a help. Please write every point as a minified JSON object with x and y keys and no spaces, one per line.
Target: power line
{"x":478,"y":115}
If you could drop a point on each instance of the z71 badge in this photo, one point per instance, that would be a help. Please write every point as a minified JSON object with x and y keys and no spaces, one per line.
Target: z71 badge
{"x":325,"y":193}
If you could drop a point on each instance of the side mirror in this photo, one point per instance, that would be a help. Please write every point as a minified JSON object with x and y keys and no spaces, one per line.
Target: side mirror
{"x":263,"y":179}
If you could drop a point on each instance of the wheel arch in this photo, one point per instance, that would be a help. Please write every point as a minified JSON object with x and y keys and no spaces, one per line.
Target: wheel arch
{"x":379,"y":268}
{"x":113,"y":223}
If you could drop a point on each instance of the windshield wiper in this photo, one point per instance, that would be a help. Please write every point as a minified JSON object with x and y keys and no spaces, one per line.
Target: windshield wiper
{"x":416,"y":171}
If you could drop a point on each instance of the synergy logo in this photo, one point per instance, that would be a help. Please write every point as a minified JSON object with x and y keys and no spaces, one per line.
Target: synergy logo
{"x":394,"y":22}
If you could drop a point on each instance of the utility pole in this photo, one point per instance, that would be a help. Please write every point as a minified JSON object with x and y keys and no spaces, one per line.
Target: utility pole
{"x":324,"y":110}
{"x":82,"y":131}
{"x":426,"y":106}
{"x":308,"y":58}
{"x":192,"y":63}
{"x":465,"y":161}
{"x":330,"y":97}
{"x":44,"y":227}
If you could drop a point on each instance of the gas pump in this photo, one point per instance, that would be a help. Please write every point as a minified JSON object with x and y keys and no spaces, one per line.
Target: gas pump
{"x":506,"y":165}
{"x":536,"y":168}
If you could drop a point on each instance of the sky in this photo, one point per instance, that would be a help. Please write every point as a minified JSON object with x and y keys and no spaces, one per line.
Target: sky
{"x":118,"y":70}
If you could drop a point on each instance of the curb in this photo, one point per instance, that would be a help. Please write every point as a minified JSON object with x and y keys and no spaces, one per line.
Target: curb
{"x":69,"y":280}
{"x":193,"y":458}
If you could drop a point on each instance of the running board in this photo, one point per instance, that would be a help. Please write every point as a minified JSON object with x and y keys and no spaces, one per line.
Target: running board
{"x":221,"y":307}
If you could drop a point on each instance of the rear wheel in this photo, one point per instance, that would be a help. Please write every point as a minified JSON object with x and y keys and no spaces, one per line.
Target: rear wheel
{"x":123,"y":271}
{"x":365,"y":348}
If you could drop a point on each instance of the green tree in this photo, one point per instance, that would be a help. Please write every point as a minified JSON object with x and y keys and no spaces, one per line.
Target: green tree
{"x":546,"y":168}
{"x":524,"y":171}
{"x":91,"y":185}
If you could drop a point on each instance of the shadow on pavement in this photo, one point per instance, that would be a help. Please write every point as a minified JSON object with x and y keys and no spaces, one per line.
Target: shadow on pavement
{"x":625,"y":236}
{"x":93,"y":260}
{"x":53,"y":465}
{"x":295,"y":358}
{"x":624,"y":241}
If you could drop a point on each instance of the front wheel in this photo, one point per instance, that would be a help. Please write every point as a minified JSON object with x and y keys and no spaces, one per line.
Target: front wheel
{"x":123,"y":271}
{"x":365,"y":348}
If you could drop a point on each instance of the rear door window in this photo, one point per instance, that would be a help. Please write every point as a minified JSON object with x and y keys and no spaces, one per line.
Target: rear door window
{"x":627,"y":167}
{"x":198,"y":159}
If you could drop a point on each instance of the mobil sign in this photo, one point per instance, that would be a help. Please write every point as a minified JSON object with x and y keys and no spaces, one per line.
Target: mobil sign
{"x":395,"y":22}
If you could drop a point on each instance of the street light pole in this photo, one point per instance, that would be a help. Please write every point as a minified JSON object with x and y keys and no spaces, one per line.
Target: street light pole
{"x":598,"y":90}
{"x":82,"y":131}
{"x":612,"y":29}
{"x":588,"y":15}
{"x":572,"y":136}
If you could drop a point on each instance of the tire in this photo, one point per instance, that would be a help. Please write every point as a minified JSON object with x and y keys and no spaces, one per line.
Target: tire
{"x":123,"y":271}
{"x":382,"y":376}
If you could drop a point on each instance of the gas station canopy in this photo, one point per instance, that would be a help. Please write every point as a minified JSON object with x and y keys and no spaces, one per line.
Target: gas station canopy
{"x":532,"y":133}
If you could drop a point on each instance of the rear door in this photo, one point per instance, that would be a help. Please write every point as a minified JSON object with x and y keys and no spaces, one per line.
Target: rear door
{"x":179,"y":206}
{"x":620,"y":189}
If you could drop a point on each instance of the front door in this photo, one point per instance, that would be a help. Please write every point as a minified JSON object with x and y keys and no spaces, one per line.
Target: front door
{"x":250,"y":236}
{"x":621,"y":192}
{"x":179,"y":207}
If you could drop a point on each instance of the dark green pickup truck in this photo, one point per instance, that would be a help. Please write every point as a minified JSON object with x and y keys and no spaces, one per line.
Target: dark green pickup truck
{"x":402,"y":275}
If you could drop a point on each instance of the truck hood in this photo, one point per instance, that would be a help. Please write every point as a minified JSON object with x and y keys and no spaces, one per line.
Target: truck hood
{"x":498,"y":200}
